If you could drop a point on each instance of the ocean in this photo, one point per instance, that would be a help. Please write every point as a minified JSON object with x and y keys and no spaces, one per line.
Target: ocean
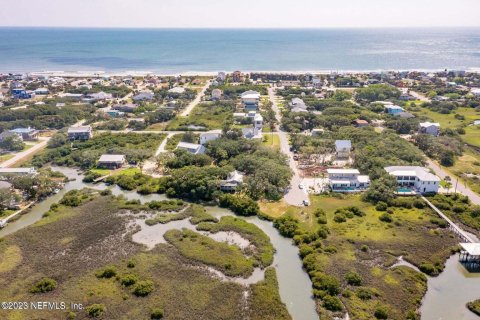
{"x":176,"y":51}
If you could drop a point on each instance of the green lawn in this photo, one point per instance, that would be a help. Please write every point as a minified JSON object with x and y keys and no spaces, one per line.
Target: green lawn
{"x":271,"y":140}
{"x":207,"y":114}
{"x":472,"y":135}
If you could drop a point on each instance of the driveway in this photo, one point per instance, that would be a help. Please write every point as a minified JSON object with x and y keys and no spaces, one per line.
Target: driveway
{"x":294,"y":195}
{"x":196,"y":101}
{"x":19,"y":156}
{"x":461,"y":188}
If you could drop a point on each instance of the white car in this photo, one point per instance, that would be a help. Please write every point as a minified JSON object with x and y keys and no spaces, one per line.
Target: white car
{"x":301,"y":186}
{"x":306,"y":203}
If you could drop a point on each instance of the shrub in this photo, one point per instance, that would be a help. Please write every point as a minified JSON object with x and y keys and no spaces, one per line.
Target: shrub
{"x":107,"y":272}
{"x":364,"y":294}
{"x":353,"y":278}
{"x":428,"y":268}
{"x":287,"y":226}
{"x":106,"y":192}
{"x":95,"y":310}
{"x":323,"y":232}
{"x":326,"y":283}
{"x":381,"y":206}
{"x":241,"y":205}
{"x":385,"y":218}
{"x":143,"y":288}
{"x":364,"y":248}
{"x":131,"y":264}
{"x":419,"y":204}
{"x":44,"y":285}
{"x":381,"y":312}
{"x":128,"y":280}
{"x":156,"y":314}
{"x":332,"y":303}
{"x":339,"y":218}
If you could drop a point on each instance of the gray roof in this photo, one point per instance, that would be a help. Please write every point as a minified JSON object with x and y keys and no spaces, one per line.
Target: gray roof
{"x":112,"y":158}
{"x":343,"y":144}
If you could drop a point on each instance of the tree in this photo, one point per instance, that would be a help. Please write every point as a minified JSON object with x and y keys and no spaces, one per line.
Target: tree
{"x":6,"y":197}
{"x":57,"y":140}
{"x":382,"y":189}
{"x":12,"y":143}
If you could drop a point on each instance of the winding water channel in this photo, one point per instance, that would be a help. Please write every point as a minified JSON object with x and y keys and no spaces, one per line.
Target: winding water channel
{"x":445,"y":299}
{"x":294,"y":283}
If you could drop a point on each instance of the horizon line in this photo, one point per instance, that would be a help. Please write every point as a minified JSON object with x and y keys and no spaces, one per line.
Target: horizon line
{"x":240,"y":28}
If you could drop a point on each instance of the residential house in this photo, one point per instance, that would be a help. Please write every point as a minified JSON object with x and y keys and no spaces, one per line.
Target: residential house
{"x":405,"y":97}
{"x":393,"y":109}
{"x":98,"y":96}
{"x":72,"y":96}
{"x":127,"y":107}
{"x":191,"y":147}
{"x":112,"y":161}
{"x":210,"y":136}
{"x":414,"y":178}
{"x":115,"y":113}
{"x":143,"y":96}
{"x":216,"y":94}
{"x":27,"y":134}
{"x":343,"y":148}
{"x":7,"y":134}
{"x":297,"y":105}
{"x":21,"y":94}
{"x":250,"y":100}
{"x":359,"y":123}
{"x":318,"y":131}
{"x":475,"y":92}
{"x":178,"y":90}
{"x":432,"y":128}
{"x":237,"y":76}
{"x":347,"y":180}
{"x":8,"y":172}
{"x":405,"y":115}
{"x":80,"y":133}
{"x":221,"y":76}
{"x":41,"y":91}
{"x":233,"y":181}
{"x":254,"y":132}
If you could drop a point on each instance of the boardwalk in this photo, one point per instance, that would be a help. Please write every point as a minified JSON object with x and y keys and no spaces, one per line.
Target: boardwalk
{"x":456,"y":229}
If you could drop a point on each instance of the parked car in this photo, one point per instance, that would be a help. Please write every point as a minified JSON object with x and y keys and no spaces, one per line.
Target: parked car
{"x":306,"y":203}
{"x":301,"y":186}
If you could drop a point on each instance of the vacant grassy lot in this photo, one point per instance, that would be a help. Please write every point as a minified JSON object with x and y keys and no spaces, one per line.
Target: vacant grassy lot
{"x":271,"y":140}
{"x":472,"y":133}
{"x":211,"y":115}
{"x":366,"y":247}
{"x":72,"y":245}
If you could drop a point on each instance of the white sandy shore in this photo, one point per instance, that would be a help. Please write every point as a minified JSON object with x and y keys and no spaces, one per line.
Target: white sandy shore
{"x":139,"y":73}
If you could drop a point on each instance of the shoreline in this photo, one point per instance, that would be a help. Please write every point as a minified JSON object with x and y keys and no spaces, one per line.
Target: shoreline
{"x":142,"y":73}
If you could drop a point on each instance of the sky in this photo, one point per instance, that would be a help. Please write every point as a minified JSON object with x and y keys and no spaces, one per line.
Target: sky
{"x":240,"y":13}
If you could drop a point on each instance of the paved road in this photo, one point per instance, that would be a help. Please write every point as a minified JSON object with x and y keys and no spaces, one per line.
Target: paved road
{"x":294,"y":195}
{"x":461,"y":188}
{"x":26,"y":153}
{"x":196,"y":101}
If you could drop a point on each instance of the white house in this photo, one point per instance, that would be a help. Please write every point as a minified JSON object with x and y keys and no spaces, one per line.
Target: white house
{"x":343,"y":148}
{"x":234,"y":180}
{"x":98,"y":96}
{"x":432,"y":128}
{"x":414,"y":178}
{"x":210,"y":136}
{"x":177,"y":90}
{"x":347,"y":180}
{"x":41,"y":91}
{"x":256,"y":131}
{"x":250,"y":100}
{"x":191,"y":147}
